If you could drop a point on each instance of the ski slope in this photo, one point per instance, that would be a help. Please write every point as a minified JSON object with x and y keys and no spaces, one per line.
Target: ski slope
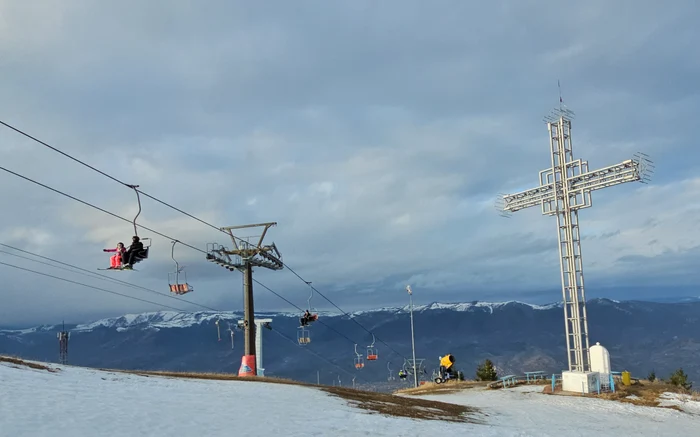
{"x":81,"y":402}
{"x":526,"y":411}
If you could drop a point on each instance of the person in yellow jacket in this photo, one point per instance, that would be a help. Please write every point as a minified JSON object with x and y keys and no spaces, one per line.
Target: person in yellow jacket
{"x":446,"y":364}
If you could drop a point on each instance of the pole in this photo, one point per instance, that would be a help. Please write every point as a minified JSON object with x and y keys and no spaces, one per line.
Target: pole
{"x":259,"y":350}
{"x":248,"y":316}
{"x":413,"y":342}
{"x":318,"y":378}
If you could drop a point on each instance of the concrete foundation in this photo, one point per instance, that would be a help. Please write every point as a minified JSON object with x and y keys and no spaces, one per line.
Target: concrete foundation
{"x":580,"y":382}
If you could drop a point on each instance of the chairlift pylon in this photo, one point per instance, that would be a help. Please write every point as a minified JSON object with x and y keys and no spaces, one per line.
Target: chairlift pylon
{"x":176,"y":286}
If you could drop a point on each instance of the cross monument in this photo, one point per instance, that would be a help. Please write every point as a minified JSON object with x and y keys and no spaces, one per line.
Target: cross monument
{"x":564,"y":189}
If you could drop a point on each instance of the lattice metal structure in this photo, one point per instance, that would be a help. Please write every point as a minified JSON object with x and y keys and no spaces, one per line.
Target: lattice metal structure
{"x":564,"y":189}
{"x":63,"y":338}
{"x":244,"y":257}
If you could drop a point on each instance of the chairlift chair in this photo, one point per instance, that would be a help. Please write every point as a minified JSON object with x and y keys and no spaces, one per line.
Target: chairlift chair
{"x":372,"y":351}
{"x":303,"y":336}
{"x":176,"y":286}
{"x":304,"y":333}
{"x":359,"y":363}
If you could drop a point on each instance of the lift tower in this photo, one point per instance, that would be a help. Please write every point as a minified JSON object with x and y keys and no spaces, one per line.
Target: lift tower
{"x":63,"y":337}
{"x":244,"y":257}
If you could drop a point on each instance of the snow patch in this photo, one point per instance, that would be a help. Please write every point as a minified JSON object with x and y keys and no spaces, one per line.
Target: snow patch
{"x":683,"y":401}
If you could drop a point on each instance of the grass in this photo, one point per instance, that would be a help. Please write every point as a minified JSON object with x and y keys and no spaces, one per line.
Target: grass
{"x":398,"y":406}
{"x":646,"y":393}
{"x":209,"y":376}
{"x":20,"y":362}
{"x":430,"y":388}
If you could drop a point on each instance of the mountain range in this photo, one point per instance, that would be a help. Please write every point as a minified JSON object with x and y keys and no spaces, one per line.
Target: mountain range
{"x":641,"y":336}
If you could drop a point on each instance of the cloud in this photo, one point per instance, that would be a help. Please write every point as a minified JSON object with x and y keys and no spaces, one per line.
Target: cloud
{"x":376,"y":135}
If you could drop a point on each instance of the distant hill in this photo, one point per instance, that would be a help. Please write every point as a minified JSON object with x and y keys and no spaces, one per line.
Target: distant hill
{"x":517,"y":337}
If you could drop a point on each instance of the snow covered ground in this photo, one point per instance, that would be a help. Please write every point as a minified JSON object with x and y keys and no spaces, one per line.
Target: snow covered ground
{"x":80,"y":402}
{"x":525,"y":411}
{"x":77,"y":402}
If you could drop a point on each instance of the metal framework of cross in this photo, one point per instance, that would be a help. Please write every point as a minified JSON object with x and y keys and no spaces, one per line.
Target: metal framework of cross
{"x":564,"y":189}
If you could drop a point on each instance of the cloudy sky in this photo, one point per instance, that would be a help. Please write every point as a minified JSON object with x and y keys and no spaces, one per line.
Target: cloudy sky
{"x":377,"y":134}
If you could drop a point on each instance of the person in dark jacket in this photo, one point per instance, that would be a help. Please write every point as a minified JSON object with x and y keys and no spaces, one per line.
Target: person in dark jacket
{"x":134,"y":252}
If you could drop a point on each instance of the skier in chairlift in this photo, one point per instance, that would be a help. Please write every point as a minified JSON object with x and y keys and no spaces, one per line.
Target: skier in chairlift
{"x":306,"y":318}
{"x":134,"y":252}
{"x":115,"y":261}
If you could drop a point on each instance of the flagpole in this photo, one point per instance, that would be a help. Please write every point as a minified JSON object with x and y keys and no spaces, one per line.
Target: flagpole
{"x":413,"y":342}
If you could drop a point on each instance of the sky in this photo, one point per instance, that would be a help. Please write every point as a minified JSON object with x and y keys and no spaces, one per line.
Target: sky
{"x":377,"y":135}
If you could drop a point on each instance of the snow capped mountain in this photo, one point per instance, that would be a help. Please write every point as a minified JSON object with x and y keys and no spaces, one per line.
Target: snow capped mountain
{"x":35,"y":329}
{"x":514,"y":335}
{"x":172,"y":319}
{"x":461,"y":307}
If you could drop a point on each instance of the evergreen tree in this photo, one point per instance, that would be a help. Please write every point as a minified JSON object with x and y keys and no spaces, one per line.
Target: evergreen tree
{"x":486,"y":371}
{"x":680,"y":379}
{"x":652,"y":376}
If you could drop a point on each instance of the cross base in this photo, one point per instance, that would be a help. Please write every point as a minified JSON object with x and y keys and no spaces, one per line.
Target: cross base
{"x":580,"y":382}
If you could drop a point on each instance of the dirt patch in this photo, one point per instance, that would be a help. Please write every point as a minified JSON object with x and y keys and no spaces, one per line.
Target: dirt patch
{"x":430,"y":388}
{"x":398,"y":406}
{"x":21,"y":362}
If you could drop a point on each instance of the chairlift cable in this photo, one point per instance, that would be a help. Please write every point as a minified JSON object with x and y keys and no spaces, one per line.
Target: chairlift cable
{"x":341,"y":310}
{"x":191,"y":247}
{"x":100,"y":276}
{"x":97,"y":208}
{"x":133,"y":285}
{"x":312,"y":352}
{"x":147,"y":301}
{"x":89,"y":286}
{"x":134,"y":187}
{"x":300,"y":309}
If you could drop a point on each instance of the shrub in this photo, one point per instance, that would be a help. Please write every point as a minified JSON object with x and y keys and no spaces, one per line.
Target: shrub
{"x":486,"y":372}
{"x":652,"y":376}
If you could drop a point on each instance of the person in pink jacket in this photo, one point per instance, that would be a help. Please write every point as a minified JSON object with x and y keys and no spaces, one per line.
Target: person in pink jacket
{"x":116,"y":259}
